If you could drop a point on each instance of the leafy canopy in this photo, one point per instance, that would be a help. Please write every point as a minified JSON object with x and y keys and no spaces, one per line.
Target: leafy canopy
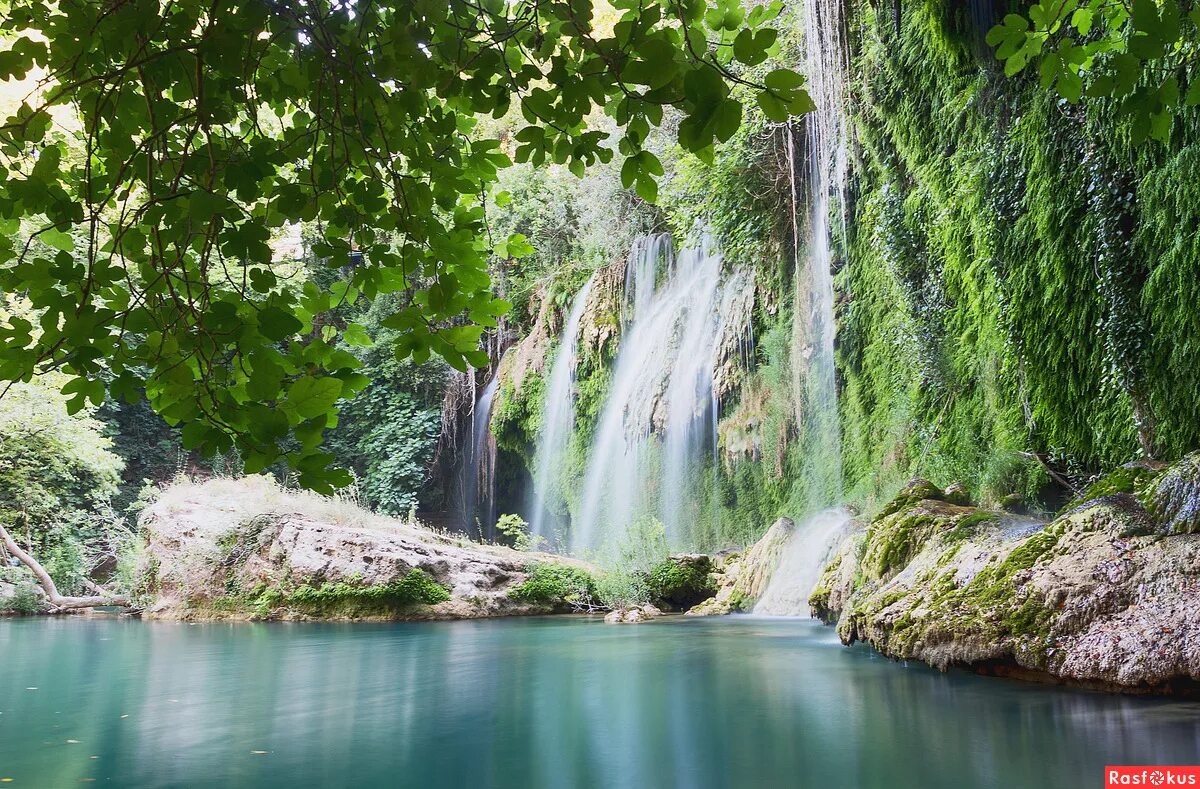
{"x":141,"y":230}
{"x":1133,"y":51}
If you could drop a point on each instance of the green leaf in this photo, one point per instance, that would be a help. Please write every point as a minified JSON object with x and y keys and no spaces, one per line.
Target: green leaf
{"x":783,"y":79}
{"x":314,"y":397}
{"x":277,"y":324}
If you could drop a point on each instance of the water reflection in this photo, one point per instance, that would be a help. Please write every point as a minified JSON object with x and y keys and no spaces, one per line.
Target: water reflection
{"x":539,"y":703}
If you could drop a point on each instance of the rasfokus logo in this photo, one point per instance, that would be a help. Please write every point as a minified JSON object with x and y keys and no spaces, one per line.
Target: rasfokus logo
{"x":1152,"y":775}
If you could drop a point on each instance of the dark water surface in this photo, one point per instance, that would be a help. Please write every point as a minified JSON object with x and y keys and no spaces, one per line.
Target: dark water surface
{"x":548,"y":702}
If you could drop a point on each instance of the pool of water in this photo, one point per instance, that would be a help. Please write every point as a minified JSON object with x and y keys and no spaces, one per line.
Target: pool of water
{"x":546,"y":702}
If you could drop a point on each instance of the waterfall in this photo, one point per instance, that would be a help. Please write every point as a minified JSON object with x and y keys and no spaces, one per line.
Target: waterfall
{"x":814,"y":374}
{"x":558,"y":421}
{"x":480,"y":467}
{"x":800,"y":563}
{"x":813,"y":368}
{"x":647,"y":458}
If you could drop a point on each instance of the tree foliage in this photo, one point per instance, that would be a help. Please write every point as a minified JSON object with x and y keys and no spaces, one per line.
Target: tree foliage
{"x":1135,"y":51}
{"x":197,"y":132}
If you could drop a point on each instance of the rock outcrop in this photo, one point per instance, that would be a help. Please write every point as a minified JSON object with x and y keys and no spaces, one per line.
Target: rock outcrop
{"x":632,"y":615}
{"x":247,"y":549}
{"x":1106,"y":595}
{"x":741,"y":578}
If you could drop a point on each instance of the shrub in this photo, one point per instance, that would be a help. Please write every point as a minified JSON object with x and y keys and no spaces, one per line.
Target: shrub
{"x":25,"y":601}
{"x":680,"y":582}
{"x":516,"y":528}
{"x":620,"y":589}
{"x":557,"y":583}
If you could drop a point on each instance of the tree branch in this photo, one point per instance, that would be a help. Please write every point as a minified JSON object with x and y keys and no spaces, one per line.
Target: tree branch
{"x":57,"y":600}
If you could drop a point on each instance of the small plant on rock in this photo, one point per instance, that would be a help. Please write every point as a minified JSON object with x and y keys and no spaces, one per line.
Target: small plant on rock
{"x":516,"y":528}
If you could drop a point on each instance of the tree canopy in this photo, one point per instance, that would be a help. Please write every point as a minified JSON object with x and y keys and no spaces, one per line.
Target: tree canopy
{"x":167,"y":144}
{"x":1137,"y":52}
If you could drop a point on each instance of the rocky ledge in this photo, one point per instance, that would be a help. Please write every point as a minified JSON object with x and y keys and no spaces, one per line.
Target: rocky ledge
{"x":246,"y":549}
{"x":1106,"y":595}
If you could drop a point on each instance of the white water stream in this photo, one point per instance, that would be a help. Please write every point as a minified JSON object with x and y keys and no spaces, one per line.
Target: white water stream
{"x":558,"y":422}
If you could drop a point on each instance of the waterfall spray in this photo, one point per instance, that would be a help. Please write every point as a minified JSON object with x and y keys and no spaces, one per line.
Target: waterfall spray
{"x":813,"y":366}
{"x":800,"y":564}
{"x":558,"y":421}
{"x":657,"y":423}
{"x":814,"y":381}
{"x":480,"y":467}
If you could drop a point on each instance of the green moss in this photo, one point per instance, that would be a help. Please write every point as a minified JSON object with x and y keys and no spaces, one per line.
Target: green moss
{"x":967,"y":525}
{"x":894,"y":540}
{"x":1029,"y":619}
{"x":348,"y":599}
{"x":1131,"y":478}
{"x":740,"y":601}
{"x":681,"y":582}
{"x":916,"y":491}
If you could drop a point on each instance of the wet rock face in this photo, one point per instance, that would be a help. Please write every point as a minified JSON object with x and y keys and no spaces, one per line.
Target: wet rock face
{"x":741,"y":578}
{"x":246,"y":549}
{"x":1106,"y":595}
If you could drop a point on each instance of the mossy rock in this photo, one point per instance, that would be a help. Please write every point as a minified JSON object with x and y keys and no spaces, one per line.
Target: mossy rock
{"x":1132,"y":478}
{"x":915,"y":491}
{"x":894,"y":539}
{"x":957,"y":493}
{"x":1173,"y":497}
{"x":349,"y":599}
{"x":680,"y":582}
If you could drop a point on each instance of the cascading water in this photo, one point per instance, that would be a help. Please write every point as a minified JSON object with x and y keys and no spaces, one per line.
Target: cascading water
{"x":800,"y":564}
{"x":813,"y":368}
{"x":814,"y":382}
{"x":647,"y":456}
{"x":480,"y":466}
{"x":557,"y":423}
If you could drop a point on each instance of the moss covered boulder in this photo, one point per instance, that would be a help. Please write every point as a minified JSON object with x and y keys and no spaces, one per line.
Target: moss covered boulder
{"x":680,"y":582}
{"x":1106,"y":595}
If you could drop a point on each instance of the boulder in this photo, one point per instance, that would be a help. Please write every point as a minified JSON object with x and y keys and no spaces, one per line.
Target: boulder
{"x":20,"y":592}
{"x":632,"y":615}
{"x":1103,"y":596}
{"x":249,"y":549}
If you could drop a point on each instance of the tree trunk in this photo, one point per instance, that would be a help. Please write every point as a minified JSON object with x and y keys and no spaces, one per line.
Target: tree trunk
{"x":58,"y":601}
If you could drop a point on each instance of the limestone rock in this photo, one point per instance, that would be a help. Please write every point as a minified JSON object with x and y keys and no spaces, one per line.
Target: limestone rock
{"x":248,"y":549}
{"x":1096,"y":597}
{"x":632,"y":615}
{"x":742,"y":578}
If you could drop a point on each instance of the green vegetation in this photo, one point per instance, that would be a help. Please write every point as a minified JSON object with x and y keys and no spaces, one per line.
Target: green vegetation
{"x":516,"y":528}
{"x":680,"y":582}
{"x":344,"y":598}
{"x":201,"y":135}
{"x":1130,"y":52}
{"x":557,"y":585}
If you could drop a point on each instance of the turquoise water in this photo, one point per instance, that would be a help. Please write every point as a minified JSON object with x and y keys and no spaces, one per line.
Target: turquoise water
{"x":547,"y":702}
